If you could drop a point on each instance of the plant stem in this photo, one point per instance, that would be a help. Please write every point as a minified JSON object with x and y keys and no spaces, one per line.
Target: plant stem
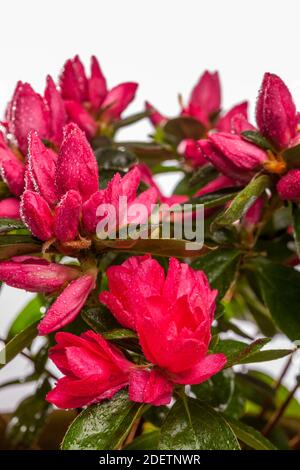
{"x":278,"y":414}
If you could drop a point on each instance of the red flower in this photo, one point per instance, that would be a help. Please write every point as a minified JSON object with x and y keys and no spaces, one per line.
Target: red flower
{"x":171,"y":315}
{"x":88,"y":101}
{"x":94,"y":370}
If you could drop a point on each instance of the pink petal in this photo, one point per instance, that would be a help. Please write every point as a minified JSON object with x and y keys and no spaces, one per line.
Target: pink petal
{"x":155,"y":117}
{"x":41,"y":168}
{"x":67,"y":216}
{"x":191,"y":151}
{"x":89,"y":209}
{"x":37,"y":215}
{"x":206,"y":95}
{"x":224,"y":124}
{"x":150,"y":387}
{"x":67,"y":305}
{"x":202,"y":371}
{"x":76,"y":164}
{"x":12,"y":172}
{"x":10,"y":208}
{"x":35,"y":274}
{"x":81,"y":117}
{"x":58,"y":116}
{"x":96,"y":85}
{"x":275,"y":111}
{"x":117,"y":100}
{"x":29,"y":112}
{"x":288,"y":186}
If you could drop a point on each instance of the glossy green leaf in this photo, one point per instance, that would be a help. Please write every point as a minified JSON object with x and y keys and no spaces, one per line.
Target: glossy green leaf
{"x":280,"y":289}
{"x":155,"y":246}
{"x":104,"y":426}
{"x":292,"y":156}
{"x":258,"y":139}
{"x":151,"y":153}
{"x":249,"y":436}
{"x":30,"y":314}
{"x":215,"y":199}
{"x":267,"y":355}
{"x":6,"y":225}
{"x":15,"y":245}
{"x":202,"y":176}
{"x":147,"y":441}
{"x":184,"y":127}
{"x":114,"y":158}
{"x":134,"y":118}
{"x":17,"y":344}
{"x":238,"y":352}
{"x":243,"y":201}
{"x":194,"y":426}
{"x":220,"y":266}
{"x":216,"y":391}
{"x":29,"y":418}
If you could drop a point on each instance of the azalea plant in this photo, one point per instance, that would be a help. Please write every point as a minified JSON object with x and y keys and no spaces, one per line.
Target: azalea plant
{"x":144,"y":340}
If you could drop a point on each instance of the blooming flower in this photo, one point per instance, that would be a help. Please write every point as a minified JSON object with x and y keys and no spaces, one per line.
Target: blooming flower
{"x":10,"y":208}
{"x":88,"y":101}
{"x":94,"y":370}
{"x":172,"y":317}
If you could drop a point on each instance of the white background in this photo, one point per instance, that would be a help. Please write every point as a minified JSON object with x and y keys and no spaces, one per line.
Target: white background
{"x":162,"y":44}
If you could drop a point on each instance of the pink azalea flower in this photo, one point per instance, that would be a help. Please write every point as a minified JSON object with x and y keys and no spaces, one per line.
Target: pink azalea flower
{"x":94,"y":370}
{"x":88,"y":101}
{"x":174,"y":327}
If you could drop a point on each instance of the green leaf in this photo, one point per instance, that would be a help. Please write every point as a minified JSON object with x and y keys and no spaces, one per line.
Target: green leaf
{"x":17,"y":344}
{"x":215,"y":199}
{"x":258,"y":139}
{"x":156,"y":246}
{"x":280,"y":290}
{"x":102,"y":321}
{"x":220,"y":266}
{"x":194,"y":426}
{"x":151,"y":153}
{"x":6,"y":225}
{"x":292,"y":156}
{"x":183,"y":128}
{"x":29,"y":418}
{"x":242,"y":202}
{"x":30,"y":314}
{"x":267,"y":355}
{"x":104,"y":426}
{"x":202,"y":176}
{"x":128,"y":121}
{"x":147,"y":441}
{"x":183,"y":187}
{"x":249,"y":436}
{"x":296,"y":226}
{"x":4,"y":191}
{"x":15,"y":245}
{"x":238,"y":352}
{"x":114,"y":158}
{"x":216,"y":391}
